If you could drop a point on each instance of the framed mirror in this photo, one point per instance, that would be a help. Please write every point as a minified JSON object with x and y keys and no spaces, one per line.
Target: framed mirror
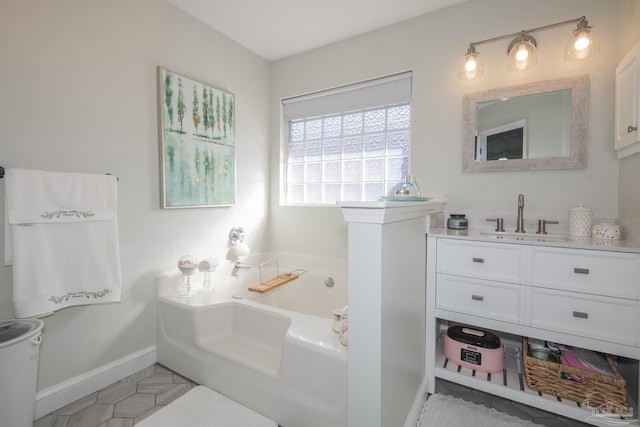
{"x":535,"y":126}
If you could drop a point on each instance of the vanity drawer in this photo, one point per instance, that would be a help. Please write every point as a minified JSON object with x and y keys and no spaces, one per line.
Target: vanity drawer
{"x":590,"y":316}
{"x":493,"y":300}
{"x":595,"y":272}
{"x":493,"y":261}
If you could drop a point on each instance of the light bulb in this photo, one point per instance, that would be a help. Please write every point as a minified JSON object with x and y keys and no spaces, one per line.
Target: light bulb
{"x":522,"y":53}
{"x":582,"y":42}
{"x":471,"y":64}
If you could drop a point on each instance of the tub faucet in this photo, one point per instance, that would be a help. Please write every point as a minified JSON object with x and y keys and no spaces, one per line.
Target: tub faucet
{"x":241,"y":266}
{"x":520,"y":220}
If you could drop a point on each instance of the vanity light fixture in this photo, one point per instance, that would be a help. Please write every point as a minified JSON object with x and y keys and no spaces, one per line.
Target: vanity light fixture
{"x":583,"y":43}
{"x":472,"y":66}
{"x":522,"y":50}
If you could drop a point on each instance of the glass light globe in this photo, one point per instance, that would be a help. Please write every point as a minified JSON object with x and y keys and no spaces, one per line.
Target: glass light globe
{"x":471,"y":66}
{"x":583,"y":42}
{"x":522,"y":53}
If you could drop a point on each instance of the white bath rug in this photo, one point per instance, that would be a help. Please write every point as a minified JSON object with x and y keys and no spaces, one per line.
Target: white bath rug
{"x":445,"y":410}
{"x":203,"y":407}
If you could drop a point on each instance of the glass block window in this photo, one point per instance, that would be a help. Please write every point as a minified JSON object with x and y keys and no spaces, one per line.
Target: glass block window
{"x":358,"y":154}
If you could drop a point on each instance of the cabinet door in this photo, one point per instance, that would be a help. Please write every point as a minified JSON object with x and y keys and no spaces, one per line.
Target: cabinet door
{"x":628,"y":104}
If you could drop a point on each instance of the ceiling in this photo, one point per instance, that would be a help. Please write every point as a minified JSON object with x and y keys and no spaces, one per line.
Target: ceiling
{"x":275,"y":29}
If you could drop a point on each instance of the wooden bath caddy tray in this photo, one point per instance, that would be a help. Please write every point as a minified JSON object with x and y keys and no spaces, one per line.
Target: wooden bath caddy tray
{"x":273,"y":283}
{"x":276,"y":281}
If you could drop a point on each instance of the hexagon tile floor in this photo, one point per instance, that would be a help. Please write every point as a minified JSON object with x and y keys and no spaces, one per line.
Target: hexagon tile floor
{"x":134,"y":398}
{"x":124,"y":403}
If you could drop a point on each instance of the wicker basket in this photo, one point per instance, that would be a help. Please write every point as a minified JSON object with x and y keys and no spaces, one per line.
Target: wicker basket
{"x":595,"y":390}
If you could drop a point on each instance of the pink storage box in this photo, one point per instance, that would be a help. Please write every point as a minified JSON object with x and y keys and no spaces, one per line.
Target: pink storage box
{"x":474,"y":349}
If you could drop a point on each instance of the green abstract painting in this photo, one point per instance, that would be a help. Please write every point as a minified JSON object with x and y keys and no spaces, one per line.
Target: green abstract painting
{"x":197,"y":143}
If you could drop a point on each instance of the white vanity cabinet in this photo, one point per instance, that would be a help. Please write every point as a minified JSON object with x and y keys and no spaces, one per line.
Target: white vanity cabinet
{"x":627,"y":137}
{"x":586,"y":296}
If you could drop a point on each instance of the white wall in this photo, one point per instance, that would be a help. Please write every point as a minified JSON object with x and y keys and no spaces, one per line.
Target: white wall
{"x":433,"y":46}
{"x":78,"y":93}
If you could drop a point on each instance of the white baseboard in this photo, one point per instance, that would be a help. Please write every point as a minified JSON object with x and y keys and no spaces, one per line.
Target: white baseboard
{"x":66,"y":392}
{"x":417,"y":405}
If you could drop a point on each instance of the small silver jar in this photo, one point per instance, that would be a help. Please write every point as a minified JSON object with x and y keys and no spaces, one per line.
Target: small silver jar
{"x":457,"y":222}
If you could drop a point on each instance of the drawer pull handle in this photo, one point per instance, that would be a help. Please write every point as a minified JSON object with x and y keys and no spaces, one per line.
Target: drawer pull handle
{"x":581,"y":270}
{"x":478,"y":260}
{"x":477,"y":297}
{"x":581,"y":314}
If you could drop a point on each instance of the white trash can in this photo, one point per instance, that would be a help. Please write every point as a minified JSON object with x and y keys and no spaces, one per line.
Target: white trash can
{"x":19,"y":351}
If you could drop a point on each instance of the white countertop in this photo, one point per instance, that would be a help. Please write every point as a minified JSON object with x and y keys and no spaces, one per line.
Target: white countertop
{"x":555,"y":240}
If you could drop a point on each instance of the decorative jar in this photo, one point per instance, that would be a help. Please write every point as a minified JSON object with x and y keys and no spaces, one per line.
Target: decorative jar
{"x":606,"y":232}
{"x":580,"y":221}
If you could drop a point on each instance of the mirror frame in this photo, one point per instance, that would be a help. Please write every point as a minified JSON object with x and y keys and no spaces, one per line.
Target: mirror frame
{"x":579,"y":125}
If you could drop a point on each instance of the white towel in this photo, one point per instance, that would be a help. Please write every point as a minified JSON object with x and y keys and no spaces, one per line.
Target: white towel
{"x":62,"y":240}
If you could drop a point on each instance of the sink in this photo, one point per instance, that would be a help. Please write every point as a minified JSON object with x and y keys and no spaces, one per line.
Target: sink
{"x":526,"y":236}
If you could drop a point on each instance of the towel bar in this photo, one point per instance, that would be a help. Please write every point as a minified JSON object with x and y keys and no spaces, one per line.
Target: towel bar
{"x":2,"y":173}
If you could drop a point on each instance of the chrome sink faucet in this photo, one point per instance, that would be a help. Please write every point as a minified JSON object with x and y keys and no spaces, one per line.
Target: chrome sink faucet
{"x":520,"y":220}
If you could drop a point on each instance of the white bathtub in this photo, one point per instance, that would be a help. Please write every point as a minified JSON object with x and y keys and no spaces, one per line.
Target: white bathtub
{"x":275,"y":353}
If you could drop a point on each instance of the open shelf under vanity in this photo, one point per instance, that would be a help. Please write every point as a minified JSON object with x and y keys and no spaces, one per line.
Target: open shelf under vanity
{"x":510,"y":383}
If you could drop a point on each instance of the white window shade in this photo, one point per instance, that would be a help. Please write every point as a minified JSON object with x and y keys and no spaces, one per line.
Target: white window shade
{"x":383,"y":91}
